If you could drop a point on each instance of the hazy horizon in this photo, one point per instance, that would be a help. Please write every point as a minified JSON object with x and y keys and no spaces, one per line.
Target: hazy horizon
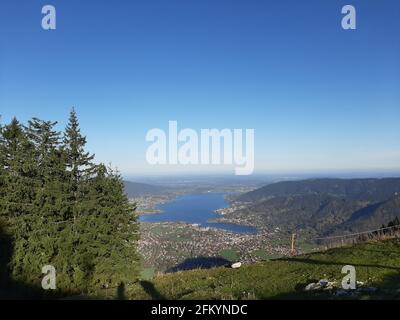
{"x":263,"y":176}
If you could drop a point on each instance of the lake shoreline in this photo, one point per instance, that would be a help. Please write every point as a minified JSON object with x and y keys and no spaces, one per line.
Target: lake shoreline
{"x":193,"y":209}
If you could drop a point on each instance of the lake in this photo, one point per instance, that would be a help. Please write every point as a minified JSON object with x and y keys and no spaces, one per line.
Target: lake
{"x":195,"y":208}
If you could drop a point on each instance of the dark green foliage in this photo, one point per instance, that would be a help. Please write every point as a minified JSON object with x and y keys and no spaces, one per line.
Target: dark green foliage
{"x":393,"y":225}
{"x":78,"y":161}
{"x":61,"y":209}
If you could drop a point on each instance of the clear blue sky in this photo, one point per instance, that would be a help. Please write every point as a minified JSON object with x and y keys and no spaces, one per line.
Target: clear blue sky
{"x":319,"y":97}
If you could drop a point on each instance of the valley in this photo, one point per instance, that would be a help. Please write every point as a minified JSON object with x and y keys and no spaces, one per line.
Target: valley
{"x":170,"y":246}
{"x":196,"y":227}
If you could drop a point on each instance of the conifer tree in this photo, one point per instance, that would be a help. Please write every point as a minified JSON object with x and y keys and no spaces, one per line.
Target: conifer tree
{"x":19,"y":170}
{"x":47,"y":148}
{"x":64,"y":210}
{"x":79,"y":162}
{"x":19,"y":189}
{"x":109,"y":233}
{"x":2,"y":172}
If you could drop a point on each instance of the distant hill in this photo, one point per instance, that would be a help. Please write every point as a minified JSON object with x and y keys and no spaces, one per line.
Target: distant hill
{"x":326,"y":206}
{"x":373,"y":215}
{"x":135,"y":189}
{"x":356,"y":189}
{"x":318,"y":212}
{"x":324,"y":214}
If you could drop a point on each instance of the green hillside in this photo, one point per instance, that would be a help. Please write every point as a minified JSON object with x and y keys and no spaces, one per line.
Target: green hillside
{"x":356,"y":189}
{"x":322,"y":206}
{"x":377,"y":265}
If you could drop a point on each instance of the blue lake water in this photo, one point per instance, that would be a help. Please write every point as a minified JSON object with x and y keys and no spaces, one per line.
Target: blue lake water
{"x":195,"y":208}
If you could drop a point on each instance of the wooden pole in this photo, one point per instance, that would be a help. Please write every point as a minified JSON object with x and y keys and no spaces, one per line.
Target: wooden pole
{"x":293,"y":246}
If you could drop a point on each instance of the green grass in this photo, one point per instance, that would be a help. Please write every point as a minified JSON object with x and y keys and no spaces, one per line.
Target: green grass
{"x":147,"y":273}
{"x":169,"y":233}
{"x":229,"y":254}
{"x":376,"y":263}
{"x":262,"y":254}
{"x":158,"y":229}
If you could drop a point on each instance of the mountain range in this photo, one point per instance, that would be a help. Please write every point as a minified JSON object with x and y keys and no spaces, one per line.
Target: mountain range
{"x":327,"y":206}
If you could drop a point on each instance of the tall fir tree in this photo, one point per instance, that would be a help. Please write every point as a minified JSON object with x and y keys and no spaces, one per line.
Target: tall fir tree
{"x":19,"y":190}
{"x":79,"y":162}
{"x":19,"y":170}
{"x":108,"y":233}
{"x":46,"y":140}
{"x":52,"y":203}
{"x":63,"y":210}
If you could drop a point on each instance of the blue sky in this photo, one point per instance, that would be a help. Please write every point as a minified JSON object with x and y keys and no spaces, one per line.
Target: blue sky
{"x":319,"y":97}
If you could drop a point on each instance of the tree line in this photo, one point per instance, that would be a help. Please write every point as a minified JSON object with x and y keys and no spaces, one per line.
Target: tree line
{"x":60,"y":208}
